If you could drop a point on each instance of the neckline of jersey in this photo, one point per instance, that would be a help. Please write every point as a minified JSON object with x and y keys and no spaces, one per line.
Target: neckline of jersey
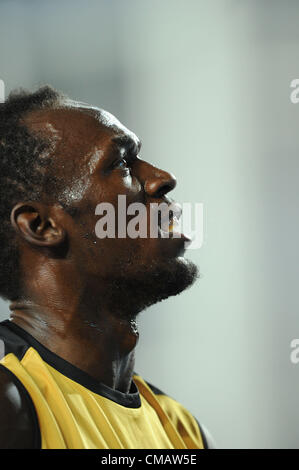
{"x":129,"y":400}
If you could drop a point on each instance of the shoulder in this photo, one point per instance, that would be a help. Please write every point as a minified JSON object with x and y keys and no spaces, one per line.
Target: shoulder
{"x":19,"y":428}
{"x":176,"y":411}
{"x":18,"y":421}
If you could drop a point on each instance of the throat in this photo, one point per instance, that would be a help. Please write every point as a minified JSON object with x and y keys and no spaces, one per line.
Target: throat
{"x":103,"y":347}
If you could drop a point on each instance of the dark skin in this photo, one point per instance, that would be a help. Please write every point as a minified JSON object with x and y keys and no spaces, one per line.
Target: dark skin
{"x":67,"y":270}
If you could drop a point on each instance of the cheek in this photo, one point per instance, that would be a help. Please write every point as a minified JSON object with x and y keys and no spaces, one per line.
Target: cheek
{"x":115,"y":255}
{"x":108,"y":253}
{"x":115,"y":194}
{"x":132,"y":186}
{"x":109,"y":188}
{"x":107,"y":257}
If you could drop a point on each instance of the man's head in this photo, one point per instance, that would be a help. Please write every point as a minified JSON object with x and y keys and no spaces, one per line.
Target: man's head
{"x":59,"y":159}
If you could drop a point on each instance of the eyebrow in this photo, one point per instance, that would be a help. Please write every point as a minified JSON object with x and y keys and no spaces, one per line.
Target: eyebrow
{"x":128,"y":142}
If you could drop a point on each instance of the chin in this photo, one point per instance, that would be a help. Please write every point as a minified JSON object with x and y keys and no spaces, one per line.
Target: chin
{"x":138,"y":289}
{"x":171,"y":277}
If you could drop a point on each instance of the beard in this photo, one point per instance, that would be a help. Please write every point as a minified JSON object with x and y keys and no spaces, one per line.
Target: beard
{"x":131,"y":292}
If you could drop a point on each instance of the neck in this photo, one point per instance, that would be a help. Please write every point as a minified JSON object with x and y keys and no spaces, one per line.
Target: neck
{"x":95,"y":340}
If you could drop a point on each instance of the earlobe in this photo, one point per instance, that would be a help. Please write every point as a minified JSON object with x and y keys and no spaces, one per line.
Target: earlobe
{"x":34,"y":224}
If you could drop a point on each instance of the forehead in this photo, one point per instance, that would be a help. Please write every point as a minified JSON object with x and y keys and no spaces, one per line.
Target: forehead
{"x":80,"y":126}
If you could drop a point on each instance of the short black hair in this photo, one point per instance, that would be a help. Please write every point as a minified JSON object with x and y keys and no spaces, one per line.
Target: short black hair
{"x":23,"y":158}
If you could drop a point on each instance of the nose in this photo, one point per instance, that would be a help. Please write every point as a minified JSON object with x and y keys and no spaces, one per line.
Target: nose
{"x":157,"y":182}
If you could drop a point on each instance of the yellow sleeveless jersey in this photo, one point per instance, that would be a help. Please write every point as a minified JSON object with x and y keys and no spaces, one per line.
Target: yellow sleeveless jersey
{"x":72,"y":410}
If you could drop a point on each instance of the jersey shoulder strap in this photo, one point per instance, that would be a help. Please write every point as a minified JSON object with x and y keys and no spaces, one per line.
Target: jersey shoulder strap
{"x":206,"y":438}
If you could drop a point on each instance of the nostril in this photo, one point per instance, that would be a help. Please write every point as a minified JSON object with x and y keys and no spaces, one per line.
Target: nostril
{"x":167,"y":185}
{"x":164,"y":190}
{"x":159,"y":184}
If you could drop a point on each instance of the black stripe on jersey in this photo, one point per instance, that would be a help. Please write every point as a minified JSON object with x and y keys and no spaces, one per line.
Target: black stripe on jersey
{"x":31,"y":408}
{"x":157,"y":391}
{"x":17,"y":341}
{"x":13,"y":343}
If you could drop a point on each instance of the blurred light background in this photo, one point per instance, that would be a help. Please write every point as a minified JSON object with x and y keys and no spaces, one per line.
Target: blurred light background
{"x":206,"y":86}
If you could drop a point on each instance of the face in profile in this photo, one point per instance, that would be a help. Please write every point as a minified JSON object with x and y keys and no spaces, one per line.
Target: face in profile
{"x":94,"y":160}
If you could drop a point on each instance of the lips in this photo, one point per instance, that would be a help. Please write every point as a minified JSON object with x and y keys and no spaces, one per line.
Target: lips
{"x":169,"y":222}
{"x":168,"y":215}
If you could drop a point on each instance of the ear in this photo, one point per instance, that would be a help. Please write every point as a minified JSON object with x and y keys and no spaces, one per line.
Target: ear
{"x":34,"y":223}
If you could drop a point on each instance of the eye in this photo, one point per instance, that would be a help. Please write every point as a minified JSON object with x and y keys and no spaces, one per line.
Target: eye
{"x":121,"y":164}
